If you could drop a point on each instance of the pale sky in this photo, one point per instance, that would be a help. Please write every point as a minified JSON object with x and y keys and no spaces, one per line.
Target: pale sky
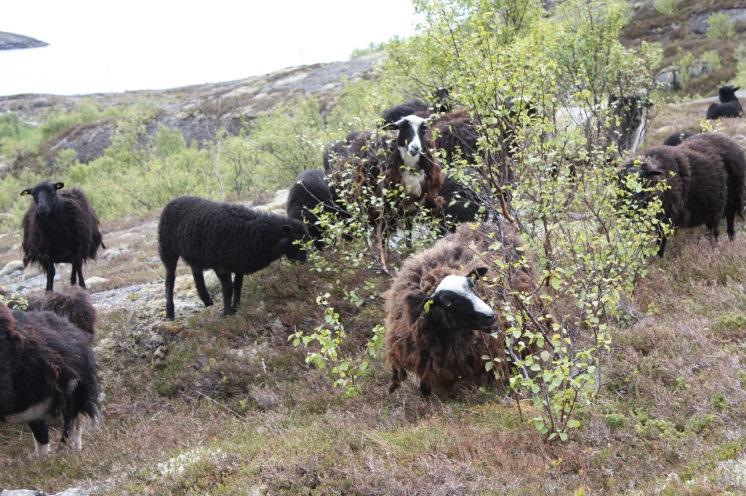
{"x":116,"y":45}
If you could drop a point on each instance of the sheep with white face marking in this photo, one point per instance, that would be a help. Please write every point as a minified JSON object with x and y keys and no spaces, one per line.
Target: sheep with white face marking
{"x":47,"y":368}
{"x":379,"y":162}
{"x":437,"y":326}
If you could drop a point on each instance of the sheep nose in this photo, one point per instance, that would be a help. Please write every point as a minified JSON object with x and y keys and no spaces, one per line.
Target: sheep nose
{"x":414,"y":150}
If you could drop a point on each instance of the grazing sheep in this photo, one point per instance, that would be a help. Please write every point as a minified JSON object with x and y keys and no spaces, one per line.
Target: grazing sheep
{"x":60,"y":227}
{"x":338,"y":149}
{"x":436,"y":324}
{"x":729,"y":106}
{"x":73,"y":304}
{"x":705,"y":174}
{"x":460,"y":203}
{"x":675,"y":139}
{"x":47,"y":367}
{"x":310,"y":190}
{"x":226,"y":238}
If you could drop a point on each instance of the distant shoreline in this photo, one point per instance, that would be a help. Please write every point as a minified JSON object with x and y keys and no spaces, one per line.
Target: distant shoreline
{"x":12,"y":41}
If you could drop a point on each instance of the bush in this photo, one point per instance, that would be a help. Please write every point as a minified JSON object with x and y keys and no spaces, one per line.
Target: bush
{"x":667,"y":7}
{"x":720,"y":26}
{"x":712,"y":59}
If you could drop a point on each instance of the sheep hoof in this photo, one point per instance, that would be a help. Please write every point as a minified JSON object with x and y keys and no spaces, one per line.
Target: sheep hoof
{"x":425,"y":390}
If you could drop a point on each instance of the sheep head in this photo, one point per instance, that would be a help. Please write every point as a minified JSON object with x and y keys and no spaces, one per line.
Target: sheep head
{"x":411,"y":139}
{"x":454,"y":306}
{"x":45,"y":197}
{"x":292,"y":241}
{"x":727,"y":93}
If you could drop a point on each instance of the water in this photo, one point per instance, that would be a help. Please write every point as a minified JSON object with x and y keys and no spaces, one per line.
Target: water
{"x":115,"y":46}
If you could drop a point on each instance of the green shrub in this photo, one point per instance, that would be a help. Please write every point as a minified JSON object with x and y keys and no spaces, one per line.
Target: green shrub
{"x":730,"y":325}
{"x":712,"y":59}
{"x":615,"y":420}
{"x":720,"y":26}
{"x":740,"y":54}
{"x":667,"y":7}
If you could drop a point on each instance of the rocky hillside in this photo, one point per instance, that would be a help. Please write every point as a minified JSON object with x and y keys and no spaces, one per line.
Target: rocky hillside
{"x":697,"y":57}
{"x":11,"y":41}
{"x":198,"y":112}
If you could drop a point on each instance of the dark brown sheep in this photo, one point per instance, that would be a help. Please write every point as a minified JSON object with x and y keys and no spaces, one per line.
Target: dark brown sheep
{"x":47,"y":367}
{"x":436,"y":323}
{"x":60,"y":227}
{"x":705,"y":175}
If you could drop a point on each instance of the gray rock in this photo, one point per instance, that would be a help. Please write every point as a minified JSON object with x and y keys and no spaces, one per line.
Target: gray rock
{"x":668,"y":79}
{"x":95,"y":281}
{"x":699,"y":23}
{"x":11,"y":267}
{"x":20,"y":492}
{"x":75,"y":491}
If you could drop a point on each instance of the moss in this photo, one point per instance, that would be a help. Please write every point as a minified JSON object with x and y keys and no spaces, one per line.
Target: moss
{"x":615,"y":420}
{"x":730,"y":326}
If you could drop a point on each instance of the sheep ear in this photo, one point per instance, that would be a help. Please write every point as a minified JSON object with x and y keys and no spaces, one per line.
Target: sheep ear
{"x":26,"y":192}
{"x":736,"y":89}
{"x":59,"y":185}
{"x":477,"y":273}
{"x":399,"y":124}
{"x":287,"y":229}
{"x":648,"y":171}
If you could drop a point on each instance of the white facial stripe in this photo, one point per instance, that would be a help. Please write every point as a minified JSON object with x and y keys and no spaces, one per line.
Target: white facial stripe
{"x":34,"y":412}
{"x":460,"y":285}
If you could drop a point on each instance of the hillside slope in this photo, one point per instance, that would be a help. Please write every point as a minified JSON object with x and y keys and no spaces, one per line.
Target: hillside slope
{"x":207,"y":405}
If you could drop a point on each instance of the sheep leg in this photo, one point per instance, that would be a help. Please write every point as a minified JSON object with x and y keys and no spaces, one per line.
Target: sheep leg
{"x":730,"y":217}
{"x":81,"y":279}
{"x":67,"y":427}
{"x":170,"y":280}
{"x":227,"y":285}
{"x":199,"y":281}
{"x":76,"y":434}
{"x":41,"y":436}
{"x":73,"y":275}
{"x":237,"y":284}
{"x":49,"y":269}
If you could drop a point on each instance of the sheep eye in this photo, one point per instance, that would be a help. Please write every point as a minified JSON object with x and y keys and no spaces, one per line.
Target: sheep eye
{"x":447,"y":303}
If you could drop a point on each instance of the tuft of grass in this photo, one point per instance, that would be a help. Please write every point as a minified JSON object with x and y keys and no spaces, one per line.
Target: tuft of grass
{"x":730,"y":326}
{"x":667,"y":7}
{"x":720,"y":27}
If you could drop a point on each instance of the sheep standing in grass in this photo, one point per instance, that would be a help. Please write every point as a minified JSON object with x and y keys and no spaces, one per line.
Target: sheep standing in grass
{"x":705,"y":175}
{"x":436,"y":324}
{"x":226,"y":238}
{"x":60,"y":227}
{"x":729,"y":106}
{"x":47,"y":368}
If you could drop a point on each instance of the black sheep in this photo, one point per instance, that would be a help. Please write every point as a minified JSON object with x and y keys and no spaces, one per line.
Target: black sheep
{"x":338,"y":149}
{"x":729,"y":106}
{"x":675,"y":139}
{"x":460,"y":203}
{"x":707,"y":181}
{"x":73,"y":304}
{"x":47,"y":367}
{"x":310,"y":190}
{"x":398,"y":112}
{"x":226,"y":238}
{"x":60,"y":227}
